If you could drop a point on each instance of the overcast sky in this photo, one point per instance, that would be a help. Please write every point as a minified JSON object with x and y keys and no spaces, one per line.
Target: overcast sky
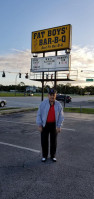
{"x":18,"y":18}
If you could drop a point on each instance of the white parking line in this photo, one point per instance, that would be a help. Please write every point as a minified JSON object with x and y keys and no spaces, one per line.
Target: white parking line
{"x":31,"y":124}
{"x":20,"y":147}
{"x":68,"y":129}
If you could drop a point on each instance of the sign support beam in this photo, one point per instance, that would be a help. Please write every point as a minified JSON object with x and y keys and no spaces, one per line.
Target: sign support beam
{"x":55,"y":73}
{"x":42,"y":97}
{"x":42,"y":87}
{"x":55,"y":81}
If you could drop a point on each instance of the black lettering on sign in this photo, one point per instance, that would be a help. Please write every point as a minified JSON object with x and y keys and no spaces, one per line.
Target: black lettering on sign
{"x":38,"y":36}
{"x":35,"y":34}
{"x":53,"y":46}
{"x":63,"y":38}
{"x":40,"y":42}
{"x":56,"y":40}
{"x":42,"y":33}
{"x":49,"y":33}
{"x":63,"y":30}
{"x":54,"y":32}
{"x":45,"y":41}
{"x":58,"y":45}
{"x":58,"y":31}
{"x":49,"y":40}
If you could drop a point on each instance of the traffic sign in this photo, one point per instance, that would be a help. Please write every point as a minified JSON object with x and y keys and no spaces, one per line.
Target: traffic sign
{"x":89,"y":80}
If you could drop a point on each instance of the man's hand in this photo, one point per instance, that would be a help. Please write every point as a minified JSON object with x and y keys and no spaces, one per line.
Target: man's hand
{"x":40,"y":128}
{"x":58,"y":129}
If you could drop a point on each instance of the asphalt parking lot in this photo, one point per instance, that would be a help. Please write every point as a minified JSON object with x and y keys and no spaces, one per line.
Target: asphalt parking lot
{"x":24,"y":176}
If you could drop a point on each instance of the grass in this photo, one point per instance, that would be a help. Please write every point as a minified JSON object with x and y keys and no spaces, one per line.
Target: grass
{"x":18,"y":94}
{"x":69,"y":110}
{"x":1,"y":109}
{"x":12,"y":94}
{"x":5,"y":111}
{"x":39,"y":94}
{"x":79,"y":110}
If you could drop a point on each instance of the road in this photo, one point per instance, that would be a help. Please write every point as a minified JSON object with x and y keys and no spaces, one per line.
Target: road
{"x":83,"y":101}
{"x":24,"y":176}
{"x":22,"y":101}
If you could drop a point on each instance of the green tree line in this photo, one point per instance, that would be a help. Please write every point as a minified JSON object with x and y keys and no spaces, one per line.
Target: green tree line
{"x":68,"y":89}
{"x":64,"y":89}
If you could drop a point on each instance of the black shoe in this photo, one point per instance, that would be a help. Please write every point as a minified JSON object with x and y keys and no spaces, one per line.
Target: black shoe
{"x":54,"y":159}
{"x":43,"y":159}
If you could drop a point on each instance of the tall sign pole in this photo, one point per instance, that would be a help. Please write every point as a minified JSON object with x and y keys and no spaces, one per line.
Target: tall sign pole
{"x":43,"y":82}
{"x":55,"y":73}
{"x":42,"y":86}
{"x":48,"y":40}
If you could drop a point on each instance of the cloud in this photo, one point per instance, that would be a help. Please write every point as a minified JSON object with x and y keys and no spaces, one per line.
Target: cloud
{"x":82,"y":58}
{"x":13,"y":63}
{"x":18,"y":61}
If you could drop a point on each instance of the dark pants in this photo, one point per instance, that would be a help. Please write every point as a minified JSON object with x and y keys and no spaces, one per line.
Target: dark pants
{"x":50,"y":128}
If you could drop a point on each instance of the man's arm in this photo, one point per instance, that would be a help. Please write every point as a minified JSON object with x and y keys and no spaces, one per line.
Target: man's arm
{"x":39,"y":120}
{"x":60,"y":119}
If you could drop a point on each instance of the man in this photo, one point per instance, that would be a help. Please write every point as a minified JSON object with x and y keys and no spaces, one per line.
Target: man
{"x":49,"y":120}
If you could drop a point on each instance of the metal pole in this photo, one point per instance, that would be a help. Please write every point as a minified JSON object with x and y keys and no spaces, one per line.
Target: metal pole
{"x":65,"y":97}
{"x":55,"y":73}
{"x":43,"y":82}
{"x":55,"y":81}
{"x":42,"y":86}
{"x":15,"y":83}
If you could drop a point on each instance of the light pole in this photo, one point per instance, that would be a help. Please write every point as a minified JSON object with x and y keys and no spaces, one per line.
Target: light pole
{"x":16,"y":82}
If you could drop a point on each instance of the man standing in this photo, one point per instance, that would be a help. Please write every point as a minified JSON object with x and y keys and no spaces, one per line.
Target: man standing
{"x":49,"y":120}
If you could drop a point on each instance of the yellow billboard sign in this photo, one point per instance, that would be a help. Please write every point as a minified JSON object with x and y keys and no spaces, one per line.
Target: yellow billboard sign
{"x":52,"y":39}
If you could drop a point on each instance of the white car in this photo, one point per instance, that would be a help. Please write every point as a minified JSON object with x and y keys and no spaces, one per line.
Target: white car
{"x":2,"y":102}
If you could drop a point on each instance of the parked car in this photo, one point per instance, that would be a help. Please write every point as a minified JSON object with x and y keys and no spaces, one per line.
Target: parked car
{"x":29,"y":93}
{"x":2,"y":102}
{"x":62,"y":97}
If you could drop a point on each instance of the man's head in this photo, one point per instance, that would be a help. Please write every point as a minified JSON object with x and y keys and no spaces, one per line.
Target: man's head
{"x":52,"y":95}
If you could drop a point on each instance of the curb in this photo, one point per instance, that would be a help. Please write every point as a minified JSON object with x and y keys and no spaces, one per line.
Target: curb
{"x":9,"y":111}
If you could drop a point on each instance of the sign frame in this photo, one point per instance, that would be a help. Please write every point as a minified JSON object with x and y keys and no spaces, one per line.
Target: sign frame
{"x":51,"y":63}
{"x":52,"y":39}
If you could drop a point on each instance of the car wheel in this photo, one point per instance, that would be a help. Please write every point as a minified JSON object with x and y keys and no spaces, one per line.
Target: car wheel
{"x":2,"y":104}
